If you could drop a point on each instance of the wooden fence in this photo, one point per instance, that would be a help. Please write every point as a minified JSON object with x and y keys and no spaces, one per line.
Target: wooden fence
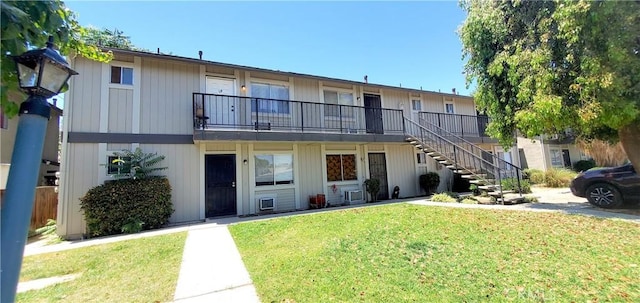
{"x":45,"y":207}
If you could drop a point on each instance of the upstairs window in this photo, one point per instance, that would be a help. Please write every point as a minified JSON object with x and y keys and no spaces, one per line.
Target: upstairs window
{"x":121,"y":75}
{"x":334,"y":99}
{"x":270,"y":91}
{"x":416,"y":105}
{"x":448,"y":108}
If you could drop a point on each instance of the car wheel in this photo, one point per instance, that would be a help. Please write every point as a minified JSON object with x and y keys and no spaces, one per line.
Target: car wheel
{"x":604,"y":195}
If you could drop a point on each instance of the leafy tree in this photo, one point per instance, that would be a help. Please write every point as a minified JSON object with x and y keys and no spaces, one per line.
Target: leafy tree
{"x":28,"y":25}
{"x":135,"y":164}
{"x":109,"y":38}
{"x":543,"y":67}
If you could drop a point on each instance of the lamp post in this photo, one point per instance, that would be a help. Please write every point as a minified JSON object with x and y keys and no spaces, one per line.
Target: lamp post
{"x":41,"y":73}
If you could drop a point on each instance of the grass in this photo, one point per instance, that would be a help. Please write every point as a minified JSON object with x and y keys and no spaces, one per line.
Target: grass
{"x":404,"y":253}
{"x":139,"y":270}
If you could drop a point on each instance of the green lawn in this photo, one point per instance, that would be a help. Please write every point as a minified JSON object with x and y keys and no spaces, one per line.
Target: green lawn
{"x":140,"y":270}
{"x":404,"y":253}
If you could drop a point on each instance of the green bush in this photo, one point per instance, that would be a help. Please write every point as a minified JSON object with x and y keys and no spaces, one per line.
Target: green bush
{"x":127,"y":205}
{"x":469,"y":200}
{"x":584,"y":165}
{"x":512,"y":184}
{"x":429,"y":182}
{"x":535,"y":176}
{"x":443,"y":197}
{"x":373,"y":187}
{"x":559,"y":177}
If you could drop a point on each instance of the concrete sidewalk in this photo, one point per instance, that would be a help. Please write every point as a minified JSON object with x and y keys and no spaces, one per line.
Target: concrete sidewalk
{"x":212,"y":269}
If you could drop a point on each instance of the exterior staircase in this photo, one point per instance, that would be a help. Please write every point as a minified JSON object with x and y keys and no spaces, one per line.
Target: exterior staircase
{"x":465,"y":158}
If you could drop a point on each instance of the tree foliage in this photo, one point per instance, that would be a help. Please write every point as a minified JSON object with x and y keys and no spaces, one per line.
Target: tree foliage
{"x":542,"y":67}
{"x":27,"y":25}
{"x":135,"y":164}
{"x":109,"y":38}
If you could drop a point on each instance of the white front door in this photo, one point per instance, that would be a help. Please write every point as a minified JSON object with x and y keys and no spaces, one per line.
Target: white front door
{"x":416,"y":108}
{"x":221,"y":110}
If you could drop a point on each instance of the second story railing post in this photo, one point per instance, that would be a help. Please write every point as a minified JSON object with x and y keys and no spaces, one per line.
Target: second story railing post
{"x":301,"y":117}
{"x":340,"y":115}
{"x":462,"y":126}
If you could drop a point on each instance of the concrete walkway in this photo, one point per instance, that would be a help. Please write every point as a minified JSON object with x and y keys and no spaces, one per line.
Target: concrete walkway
{"x":212,"y":269}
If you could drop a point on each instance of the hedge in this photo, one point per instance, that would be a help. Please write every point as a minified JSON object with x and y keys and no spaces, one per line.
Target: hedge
{"x":115,"y":206}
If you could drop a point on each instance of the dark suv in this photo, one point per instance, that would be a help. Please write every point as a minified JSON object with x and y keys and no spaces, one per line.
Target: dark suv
{"x":608,"y":187}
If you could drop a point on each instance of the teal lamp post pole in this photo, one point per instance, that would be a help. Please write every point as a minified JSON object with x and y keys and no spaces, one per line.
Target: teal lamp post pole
{"x":42,"y":73}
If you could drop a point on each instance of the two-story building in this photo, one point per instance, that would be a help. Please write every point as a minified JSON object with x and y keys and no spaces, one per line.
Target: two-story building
{"x":241,"y":140}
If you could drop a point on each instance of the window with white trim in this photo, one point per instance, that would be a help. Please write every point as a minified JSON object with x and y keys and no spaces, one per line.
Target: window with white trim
{"x":273,"y":169}
{"x":121,"y":75}
{"x":416,"y":105}
{"x":118,"y":165}
{"x":448,"y":108}
{"x":341,"y":167}
{"x":270,"y":98}
{"x":556,"y":158}
{"x":421,"y":159}
{"x":336,"y":98}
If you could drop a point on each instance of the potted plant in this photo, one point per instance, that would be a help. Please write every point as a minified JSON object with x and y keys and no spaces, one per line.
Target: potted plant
{"x":429,"y":182}
{"x":373,"y":187}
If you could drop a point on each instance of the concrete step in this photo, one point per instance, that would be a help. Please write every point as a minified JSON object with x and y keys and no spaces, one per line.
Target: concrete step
{"x":472,"y":176}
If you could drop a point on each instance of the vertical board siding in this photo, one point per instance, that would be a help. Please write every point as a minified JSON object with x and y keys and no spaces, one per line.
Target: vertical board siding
{"x":85,"y":89}
{"x":120,"y":110}
{"x":117,"y":147}
{"x":45,"y":206}
{"x":83,"y":175}
{"x":310,"y":168}
{"x":166,"y":96}
{"x":306,"y":90}
{"x":285,"y":198}
{"x":401,"y":169}
{"x":182,"y":162}
{"x":465,"y":106}
{"x":392,"y":99}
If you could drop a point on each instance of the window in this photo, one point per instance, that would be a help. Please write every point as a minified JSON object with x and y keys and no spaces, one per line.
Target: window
{"x":421,"y":158}
{"x":3,"y":120}
{"x":115,"y":167}
{"x":556,"y":158}
{"x":416,"y":105}
{"x":270,"y":91}
{"x":334,"y":99}
{"x":448,"y":108}
{"x":274,"y":169}
{"x":121,"y":75}
{"x":341,"y":168}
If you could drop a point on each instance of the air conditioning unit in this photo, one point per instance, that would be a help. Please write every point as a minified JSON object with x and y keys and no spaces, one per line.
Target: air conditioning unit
{"x":351,"y":196}
{"x":267,"y":203}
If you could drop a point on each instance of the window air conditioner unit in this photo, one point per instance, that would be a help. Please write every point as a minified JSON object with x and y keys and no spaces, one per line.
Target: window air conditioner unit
{"x":353,"y":196}
{"x":267,"y":203}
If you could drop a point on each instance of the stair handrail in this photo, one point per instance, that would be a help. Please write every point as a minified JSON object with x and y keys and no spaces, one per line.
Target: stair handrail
{"x":470,"y":153}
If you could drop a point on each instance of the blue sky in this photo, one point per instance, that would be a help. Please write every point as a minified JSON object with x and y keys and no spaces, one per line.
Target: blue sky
{"x":413,"y":44}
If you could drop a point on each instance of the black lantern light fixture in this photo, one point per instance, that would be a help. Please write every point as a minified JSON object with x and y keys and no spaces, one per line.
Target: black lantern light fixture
{"x":42,"y":74}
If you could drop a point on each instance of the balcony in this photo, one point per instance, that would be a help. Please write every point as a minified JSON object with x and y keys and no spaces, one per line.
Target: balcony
{"x":472,"y":128}
{"x":224,"y":117}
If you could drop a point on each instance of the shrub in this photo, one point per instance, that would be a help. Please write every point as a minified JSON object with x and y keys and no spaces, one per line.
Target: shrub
{"x":443,"y":197}
{"x":536,"y":176}
{"x":429,"y":182}
{"x":469,"y":200}
{"x":373,"y":187}
{"x":559,"y":177}
{"x":512,"y":184}
{"x":474,"y":189}
{"x":530,"y":199}
{"x":118,"y":206}
{"x":584,"y":165}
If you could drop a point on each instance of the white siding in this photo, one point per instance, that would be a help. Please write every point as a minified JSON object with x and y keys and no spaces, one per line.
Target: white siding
{"x":120,"y":110}
{"x":306,"y":90}
{"x":85,"y":89}
{"x":182,"y":162}
{"x":80,"y":175}
{"x":285,"y":198}
{"x":310,"y":167}
{"x":166,"y":96}
{"x":401,"y":169}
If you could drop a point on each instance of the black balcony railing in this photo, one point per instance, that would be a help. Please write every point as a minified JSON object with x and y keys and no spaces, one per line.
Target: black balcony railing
{"x":459,"y":125}
{"x":223,"y":112}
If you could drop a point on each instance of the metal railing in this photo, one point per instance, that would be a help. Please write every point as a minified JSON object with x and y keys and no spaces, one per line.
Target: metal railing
{"x":465,"y":155}
{"x":212,"y":111}
{"x":460,"y":125}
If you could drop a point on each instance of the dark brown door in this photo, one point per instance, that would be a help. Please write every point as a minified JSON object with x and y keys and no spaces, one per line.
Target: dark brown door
{"x":378,"y":170}
{"x":566,"y":158}
{"x":373,"y":114}
{"x":220,"y":185}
